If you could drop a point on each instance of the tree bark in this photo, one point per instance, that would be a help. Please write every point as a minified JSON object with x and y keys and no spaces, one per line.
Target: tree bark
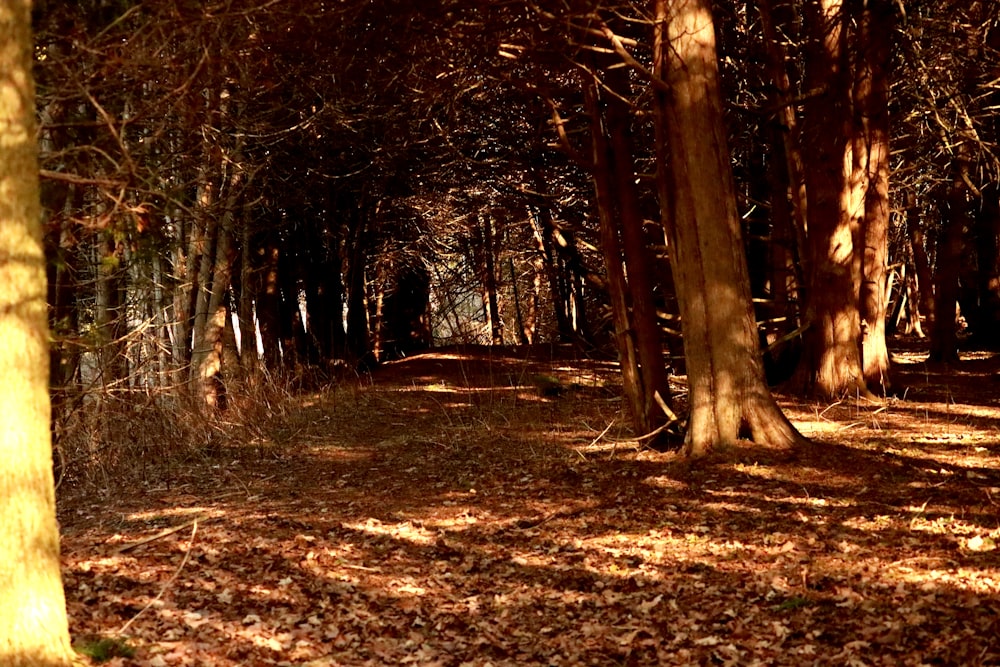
{"x":109,"y":311}
{"x":831,"y":363}
{"x":944,"y":334}
{"x":871,"y":98}
{"x":638,"y":258}
{"x":484,"y":251}
{"x":628,"y":356}
{"x":206,"y":359}
{"x":728,"y":394}
{"x":267,"y":300}
{"x":924,"y":303}
{"x":358,"y":339}
{"x":33,"y":626}
{"x":788,"y":143}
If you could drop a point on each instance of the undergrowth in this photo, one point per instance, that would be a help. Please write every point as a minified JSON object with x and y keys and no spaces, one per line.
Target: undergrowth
{"x":125,"y":439}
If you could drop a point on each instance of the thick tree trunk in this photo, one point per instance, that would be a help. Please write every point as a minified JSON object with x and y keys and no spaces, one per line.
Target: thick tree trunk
{"x":728,"y":393}
{"x":207,"y":349}
{"x":186,"y":263}
{"x":831,"y":363}
{"x":871,"y":98}
{"x":33,"y":626}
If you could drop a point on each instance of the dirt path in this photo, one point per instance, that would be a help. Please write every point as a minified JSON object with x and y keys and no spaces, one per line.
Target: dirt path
{"x":465,"y":509}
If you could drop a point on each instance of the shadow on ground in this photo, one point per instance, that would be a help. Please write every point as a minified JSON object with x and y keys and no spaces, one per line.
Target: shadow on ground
{"x":454,"y":509}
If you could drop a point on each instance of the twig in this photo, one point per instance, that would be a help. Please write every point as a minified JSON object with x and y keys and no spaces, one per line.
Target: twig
{"x":603,"y":433}
{"x":163,"y":589}
{"x":169,"y":531}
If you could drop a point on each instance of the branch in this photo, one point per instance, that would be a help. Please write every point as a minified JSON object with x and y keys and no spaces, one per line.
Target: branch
{"x":76,"y":179}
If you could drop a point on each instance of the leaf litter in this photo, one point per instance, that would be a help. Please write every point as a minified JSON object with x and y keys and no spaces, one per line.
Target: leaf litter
{"x":446,"y":512}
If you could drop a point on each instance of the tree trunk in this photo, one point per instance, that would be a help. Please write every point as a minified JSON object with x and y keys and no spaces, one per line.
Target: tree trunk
{"x":944,"y":335}
{"x":246,"y":281}
{"x":33,"y":627}
{"x":405,"y":317}
{"x":628,"y":356}
{"x":109,"y":311}
{"x":206,"y":358}
{"x":267,"y":300}
{"x":291,"y":327}
{"x":871,"y":98}
{"x":728,"y":393}
{"x":541,"y":221}
{"x":638,"y":258}
{"x":488,"y":277}
{"x":788,"y":143}
{"x":986,"y":332}
{"x":924,"y":304}
{"x":357,"y":339}
{"x":831,"y":363}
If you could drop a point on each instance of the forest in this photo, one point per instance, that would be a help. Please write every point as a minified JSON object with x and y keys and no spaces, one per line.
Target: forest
{"x":472,"y":333}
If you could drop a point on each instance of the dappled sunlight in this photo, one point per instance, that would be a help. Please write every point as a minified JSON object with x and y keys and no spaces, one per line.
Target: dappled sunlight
{"x":392,"y":528}
{"x":401,"y":531}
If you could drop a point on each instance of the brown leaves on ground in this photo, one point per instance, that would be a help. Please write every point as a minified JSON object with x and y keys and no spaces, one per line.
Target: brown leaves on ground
{"x":452,"y":510}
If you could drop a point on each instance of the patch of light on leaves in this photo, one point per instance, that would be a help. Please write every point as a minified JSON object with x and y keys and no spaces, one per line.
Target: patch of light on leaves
{"x":401,"y":531}
{"x":407,"y":586}
{"x":158,"y":514}
{"x":663,"y":482}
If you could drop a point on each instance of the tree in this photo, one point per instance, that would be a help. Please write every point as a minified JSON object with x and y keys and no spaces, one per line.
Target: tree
{"x":728,"y":396}
{"x":33,"y":625}
{"x":831,"y":365}
{"x":871,"y":159}
{"x":627,"y":258}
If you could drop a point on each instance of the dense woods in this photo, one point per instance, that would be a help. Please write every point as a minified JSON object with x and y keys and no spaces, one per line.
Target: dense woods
{"x":239,"y":191}
{"x":242,"y":200}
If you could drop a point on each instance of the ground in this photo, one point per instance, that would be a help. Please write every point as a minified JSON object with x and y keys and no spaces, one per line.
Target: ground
{"x":469,"y":507}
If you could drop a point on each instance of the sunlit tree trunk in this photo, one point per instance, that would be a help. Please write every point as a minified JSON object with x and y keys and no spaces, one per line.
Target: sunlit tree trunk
{"x":728,"y":393}
{"x":831,"y":363}
{"x":33,"y":626}
{"x":206,"y":359}
{"x":871,"y":99}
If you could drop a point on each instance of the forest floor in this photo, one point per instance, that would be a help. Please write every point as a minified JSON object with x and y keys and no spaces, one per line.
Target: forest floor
{"x":469,"y":507}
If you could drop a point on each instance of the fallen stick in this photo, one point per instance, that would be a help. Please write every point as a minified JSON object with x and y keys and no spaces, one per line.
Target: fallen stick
{"x":164,"y":533}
